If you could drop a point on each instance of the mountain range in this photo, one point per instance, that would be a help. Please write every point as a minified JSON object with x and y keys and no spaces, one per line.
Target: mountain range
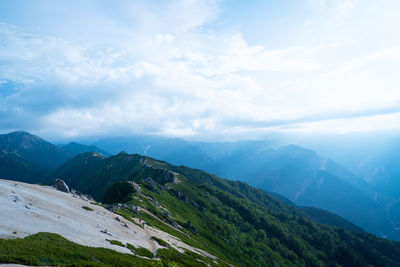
{"x":298,"y":174}
{"x":239,"y":224}
{"x":29,"y":158}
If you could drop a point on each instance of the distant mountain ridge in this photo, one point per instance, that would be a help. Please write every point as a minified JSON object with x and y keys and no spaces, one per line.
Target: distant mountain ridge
{"x":374,"y":157}
{"x":173,"y":150}
{"x":305,"y":178}
{"x":74,"y":149}
{"x":297,"y":173}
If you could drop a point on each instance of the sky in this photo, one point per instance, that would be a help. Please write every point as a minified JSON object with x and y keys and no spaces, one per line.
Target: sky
{"x":199,"y":69}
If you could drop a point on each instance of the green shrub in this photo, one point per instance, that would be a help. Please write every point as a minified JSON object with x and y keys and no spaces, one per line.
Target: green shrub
{"x":140,"y":251}
{"x":160,"y":241}
{"x":115,"y":242}
{"x":119,"y":192}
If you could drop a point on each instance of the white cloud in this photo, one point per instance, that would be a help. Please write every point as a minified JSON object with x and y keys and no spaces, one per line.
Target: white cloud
{"x":168,"y":71}
{"x":374,"y":123}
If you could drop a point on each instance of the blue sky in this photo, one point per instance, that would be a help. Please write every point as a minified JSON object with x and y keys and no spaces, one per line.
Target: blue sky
{"x":199,"y":69}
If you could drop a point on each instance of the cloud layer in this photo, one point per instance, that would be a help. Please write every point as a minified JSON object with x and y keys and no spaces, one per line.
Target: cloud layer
{"x":175,"y":69}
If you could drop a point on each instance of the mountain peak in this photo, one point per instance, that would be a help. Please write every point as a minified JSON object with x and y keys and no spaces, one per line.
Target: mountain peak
{"x":24,"y":134}
{"x":33,"y":149}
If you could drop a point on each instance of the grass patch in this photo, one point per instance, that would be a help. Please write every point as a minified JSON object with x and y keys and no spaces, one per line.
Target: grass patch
{"x":115,"y":242}
{"x":140,"y":251}
{"x":52,"y":249}
{"x":160,"y":241}
{"x":87,"y":208}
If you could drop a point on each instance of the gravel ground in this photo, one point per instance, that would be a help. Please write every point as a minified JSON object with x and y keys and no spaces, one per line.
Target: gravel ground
{"x":27,"y":209}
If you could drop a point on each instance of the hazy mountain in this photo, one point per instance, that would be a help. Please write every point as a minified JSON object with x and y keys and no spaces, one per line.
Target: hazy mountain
{"x":239,"y":224}
{"x":174,"y":150}
{"x":299,"y":174}
{"x":375,"y":158}
{"x":305,"y":178}
{"x":74,"y":149}
{"x":220,"y":150}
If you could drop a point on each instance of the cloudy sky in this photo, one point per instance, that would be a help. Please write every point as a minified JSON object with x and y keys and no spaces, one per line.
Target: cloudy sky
{"x":199,"y":69}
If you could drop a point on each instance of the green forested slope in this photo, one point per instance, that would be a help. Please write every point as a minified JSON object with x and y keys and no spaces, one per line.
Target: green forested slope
{"x":239,"y":224}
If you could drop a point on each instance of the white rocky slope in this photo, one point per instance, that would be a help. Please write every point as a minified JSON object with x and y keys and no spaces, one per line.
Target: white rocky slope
{"x":27,"y":209}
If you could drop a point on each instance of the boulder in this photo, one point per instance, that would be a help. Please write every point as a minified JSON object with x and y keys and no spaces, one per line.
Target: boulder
{"x":110,"y":208}
{"x":173,"y":223}
{"x":61,"y":186}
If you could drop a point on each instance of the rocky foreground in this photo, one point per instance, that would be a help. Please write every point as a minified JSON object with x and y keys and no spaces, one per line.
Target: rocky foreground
{"x":28,"y":209}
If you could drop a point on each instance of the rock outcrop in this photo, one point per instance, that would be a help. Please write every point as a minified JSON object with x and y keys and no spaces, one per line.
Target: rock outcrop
{"x":61,"y":186}
{"x":189,"y":226}
{"x":150,"y":184}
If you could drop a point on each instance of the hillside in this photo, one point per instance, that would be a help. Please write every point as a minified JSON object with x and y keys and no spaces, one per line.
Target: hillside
{"x":12,"y":166}
{"x":297,"y":173}
{"x":237,"y":223}
{"x":29,"y":158}
{"x":33,"y":149}
{"x":50,"y":227}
